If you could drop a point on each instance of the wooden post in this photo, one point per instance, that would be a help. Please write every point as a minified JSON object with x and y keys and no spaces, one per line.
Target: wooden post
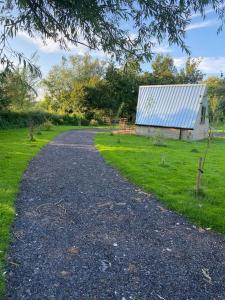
{"x":199,"y":176}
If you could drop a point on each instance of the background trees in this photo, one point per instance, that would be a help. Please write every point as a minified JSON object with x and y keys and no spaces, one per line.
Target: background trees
{"x":216,"y":94}
{"x":190,"y":73}
{"x":94,"y":88}
{"x":90,"y":88}
{"x":18,"y":89}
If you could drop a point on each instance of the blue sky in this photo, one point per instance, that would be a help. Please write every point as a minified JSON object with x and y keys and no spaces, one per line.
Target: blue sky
{"x":201,"y":37}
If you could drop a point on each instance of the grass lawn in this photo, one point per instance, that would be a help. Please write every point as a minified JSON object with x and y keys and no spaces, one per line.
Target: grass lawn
{"x":15,"y":152}
{"x":170,"y":173}
{"x":218,"y":128}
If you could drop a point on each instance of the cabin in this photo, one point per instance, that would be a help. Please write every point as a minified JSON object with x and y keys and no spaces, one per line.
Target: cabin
{"x":176,"y":111}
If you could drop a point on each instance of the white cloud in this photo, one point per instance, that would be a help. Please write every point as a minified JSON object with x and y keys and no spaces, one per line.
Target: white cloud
{"x":207,"y":11}
{"x":162,"y":49}
{"x":203,"y":24}
{"x":50,"y":46}
{"x":208,"y":65}
{"x":179,"y":62}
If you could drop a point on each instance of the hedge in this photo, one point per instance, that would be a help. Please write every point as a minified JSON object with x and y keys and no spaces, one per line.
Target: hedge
{"x":23,"y":119}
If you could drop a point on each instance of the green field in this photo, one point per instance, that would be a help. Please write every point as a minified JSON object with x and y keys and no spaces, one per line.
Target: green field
{"x":169,"y":172}
{"x":15,"y":152}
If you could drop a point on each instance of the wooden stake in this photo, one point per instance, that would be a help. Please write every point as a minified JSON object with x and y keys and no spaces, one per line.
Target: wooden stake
{"x":199,"y":176}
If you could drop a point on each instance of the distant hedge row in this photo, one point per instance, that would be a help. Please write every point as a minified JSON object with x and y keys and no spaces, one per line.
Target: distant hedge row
{"x":23,"y":119}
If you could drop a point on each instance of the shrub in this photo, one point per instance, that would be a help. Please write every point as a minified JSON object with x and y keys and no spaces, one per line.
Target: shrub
{"x":22,"y":119}
{"x":47,"y":126}
{"x":93,"y":122}
{"x":159,"y":139}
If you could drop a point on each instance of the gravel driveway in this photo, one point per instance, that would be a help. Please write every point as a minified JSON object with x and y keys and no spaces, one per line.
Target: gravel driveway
{"x":84,"y":232}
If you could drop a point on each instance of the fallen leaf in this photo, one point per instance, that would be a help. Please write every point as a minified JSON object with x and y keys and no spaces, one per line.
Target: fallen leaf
{"x":120,"y":203}
{"x":14,"y":263}
{"x":162,"y":209}
{"x":73,"y":250}
{"x":64,"y":273}
{"x":105,"y":204}
{"x":160,"y":297}
{"x":132,"y":268}
{"x":207,"y":277}
{"x":105,"y":264}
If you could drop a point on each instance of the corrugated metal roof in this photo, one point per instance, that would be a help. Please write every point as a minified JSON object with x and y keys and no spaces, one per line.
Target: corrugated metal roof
{"x":169,"y":105}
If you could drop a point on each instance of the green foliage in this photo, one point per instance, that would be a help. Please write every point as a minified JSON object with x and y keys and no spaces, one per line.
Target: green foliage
{"x":159,"y":139}
{"x":170,"y":173}
{"x":47,"y":126}
{"x":18,"y":89}
{"x":15,"y":152}
{"x":191,"y":73}
{"x":23,"y":119}
{"x":164,"y":70}
{"x":71,"y":86}
{"x":216,"y":94}
{"x":97,"y":24}
{"x":87,"y":86}
{"x":93,"y":122}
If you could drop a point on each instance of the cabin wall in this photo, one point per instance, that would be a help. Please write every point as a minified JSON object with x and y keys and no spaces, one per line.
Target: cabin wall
{"x":201,"y":130}
{"x":199,"y":133}
{"x":171,"y":133}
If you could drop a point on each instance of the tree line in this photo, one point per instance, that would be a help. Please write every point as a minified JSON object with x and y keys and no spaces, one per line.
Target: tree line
{"x":93,"y":89}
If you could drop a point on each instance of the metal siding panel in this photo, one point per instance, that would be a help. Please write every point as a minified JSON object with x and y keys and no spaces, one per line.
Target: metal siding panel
{"x":189,"y":98}
{"x":195,"y":104}
{"x":175,"y":114}
{"x":172,"y":105}
{"x":163,"y":104}
{"x":157,"y":105}
{"x":169,"y":106}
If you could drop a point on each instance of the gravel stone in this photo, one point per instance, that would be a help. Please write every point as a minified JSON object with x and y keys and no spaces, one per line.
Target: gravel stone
{"x":123,"y":244}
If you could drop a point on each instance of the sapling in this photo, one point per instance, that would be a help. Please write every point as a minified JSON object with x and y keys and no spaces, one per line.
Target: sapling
{"x":201,"y":165}
{"x":31,"y":131}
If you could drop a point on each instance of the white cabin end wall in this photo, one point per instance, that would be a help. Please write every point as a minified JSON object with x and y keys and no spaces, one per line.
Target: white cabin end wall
{"x":200,"y":131}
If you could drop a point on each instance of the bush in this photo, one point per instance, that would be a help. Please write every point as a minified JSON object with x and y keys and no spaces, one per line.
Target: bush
{"x":159,"y":139}
{"x":93,"y":122}
{"x":47,"y":126}
{"x":23,"y":119}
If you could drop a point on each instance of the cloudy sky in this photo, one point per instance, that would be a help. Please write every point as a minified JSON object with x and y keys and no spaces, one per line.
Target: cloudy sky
{"x":201,"y":38}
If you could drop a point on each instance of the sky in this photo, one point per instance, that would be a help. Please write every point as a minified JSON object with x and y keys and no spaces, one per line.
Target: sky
{"x":201,"y":38}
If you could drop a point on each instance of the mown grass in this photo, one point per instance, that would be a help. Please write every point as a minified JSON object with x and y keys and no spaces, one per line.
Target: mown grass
{"x":218,"y":127}
{"x":170,"y":173}
{"x":15,"y":152}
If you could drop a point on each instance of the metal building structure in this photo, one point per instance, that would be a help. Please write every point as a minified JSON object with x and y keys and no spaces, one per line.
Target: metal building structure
{"x":177,"y":111}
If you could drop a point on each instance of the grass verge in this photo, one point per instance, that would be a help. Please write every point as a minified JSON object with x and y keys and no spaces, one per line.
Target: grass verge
{"x":15,"y":152}
{"x":169,"y":172}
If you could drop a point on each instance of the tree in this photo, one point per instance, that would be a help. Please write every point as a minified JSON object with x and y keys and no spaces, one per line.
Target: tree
{"x":4,"y":97}
{"x":164,"y":70}
{"x":190,"y":73}
{"x":216,"y":94}
{"x":67,"y":84}
{"x":101,"y":24}
{"x":18,"y":89}
{"x":123,"y":83}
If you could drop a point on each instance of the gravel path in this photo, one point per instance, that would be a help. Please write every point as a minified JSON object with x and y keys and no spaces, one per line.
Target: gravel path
{"x":84,"y":232}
